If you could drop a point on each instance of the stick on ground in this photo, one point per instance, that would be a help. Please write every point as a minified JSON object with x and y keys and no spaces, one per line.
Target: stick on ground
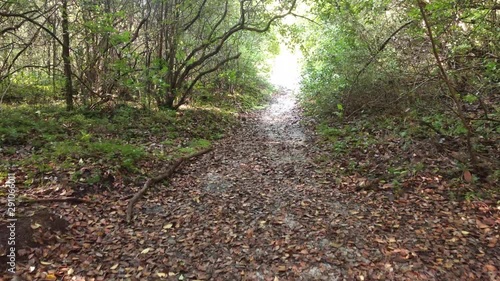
{"x":151,"y":181}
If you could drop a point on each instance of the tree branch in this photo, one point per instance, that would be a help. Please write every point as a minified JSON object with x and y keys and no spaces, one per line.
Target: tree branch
{"x":273,"y":19}
{"x":235,"y":28}
{"x":207,"y":44}
{"x":23,"y":16}
{"x":453,"y":93}
{"x":380,"y":49}
{"x":201,"y":74}
{"x":136,"y":33}
{"x":304,"y":17}
{"x":171,"y":170}
{"x":195,"y":17}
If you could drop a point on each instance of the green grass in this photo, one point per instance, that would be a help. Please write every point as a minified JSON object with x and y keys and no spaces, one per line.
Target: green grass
{"x":50,"y":139}
{"x":200,"y":143}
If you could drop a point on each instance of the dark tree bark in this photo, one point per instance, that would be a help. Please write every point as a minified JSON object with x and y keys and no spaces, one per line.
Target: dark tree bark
{"x":68,"y":87}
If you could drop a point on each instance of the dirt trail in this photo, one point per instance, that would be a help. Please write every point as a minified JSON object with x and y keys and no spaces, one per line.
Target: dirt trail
{"x":258,"y":208}
{"x":263,"y":212}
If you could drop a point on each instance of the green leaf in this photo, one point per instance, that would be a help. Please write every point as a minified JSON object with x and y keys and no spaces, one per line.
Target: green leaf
{"x":470,"y":98}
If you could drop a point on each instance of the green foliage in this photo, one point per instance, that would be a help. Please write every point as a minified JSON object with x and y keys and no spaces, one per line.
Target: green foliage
{"x":344,"y":66}
{"x":23,"y":125}
{"x":31,"y":87}
{"x":373,"y":60}
{"x":193,"y":146}
{"x":345,"y":137}
{"x":200,"y":143}
{"x":187,"y":150}
{"x":337,"y":79}
{"x":117,"y":138}
{"x":74,"y":153}
{"x":148,"y":53}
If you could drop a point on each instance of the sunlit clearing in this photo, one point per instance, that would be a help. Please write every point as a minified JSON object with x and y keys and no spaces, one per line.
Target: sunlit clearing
{"x":285,"y":69}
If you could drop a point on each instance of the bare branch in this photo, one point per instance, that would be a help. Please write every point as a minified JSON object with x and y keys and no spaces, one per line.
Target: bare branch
{"x":136,"y":33}
{"x":203,"y":73}
{"x":304,"y":17}
{"x":380,"y":49}
{"x":197,"y":16}
{"x":208,"y":43}
{"x":33,"y":21}
{"x":235,"y":28}
{"x":272,"y":20}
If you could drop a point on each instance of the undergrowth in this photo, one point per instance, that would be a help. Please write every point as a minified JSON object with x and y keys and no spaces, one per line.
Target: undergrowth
{"x":87,"y":147}
{"x":396,"y":151}
{"x":246,"y":97}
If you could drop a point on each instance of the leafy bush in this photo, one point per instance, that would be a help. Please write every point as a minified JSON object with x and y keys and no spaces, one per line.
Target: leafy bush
{"x":31,"y":87}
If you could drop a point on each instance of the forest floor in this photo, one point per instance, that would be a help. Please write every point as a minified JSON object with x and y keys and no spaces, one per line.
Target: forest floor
{"x":261,"y":206}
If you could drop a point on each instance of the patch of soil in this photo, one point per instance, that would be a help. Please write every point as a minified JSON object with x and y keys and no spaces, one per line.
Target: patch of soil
{"x":34,"y":229}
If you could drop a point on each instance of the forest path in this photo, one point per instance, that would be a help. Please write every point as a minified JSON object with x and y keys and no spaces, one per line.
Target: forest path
{"x":256,"y":209}
{"x":259,"y":208}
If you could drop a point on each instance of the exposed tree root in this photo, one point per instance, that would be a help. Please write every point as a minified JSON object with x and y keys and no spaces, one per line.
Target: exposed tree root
{"x":151,"y":181}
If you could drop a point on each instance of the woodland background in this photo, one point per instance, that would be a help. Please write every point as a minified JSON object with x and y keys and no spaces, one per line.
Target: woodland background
{"x":403,"y":96}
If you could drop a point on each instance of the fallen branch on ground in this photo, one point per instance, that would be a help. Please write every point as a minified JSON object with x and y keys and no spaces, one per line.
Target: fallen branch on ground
{"x":171,"y":170}
{"x":49,"y":200}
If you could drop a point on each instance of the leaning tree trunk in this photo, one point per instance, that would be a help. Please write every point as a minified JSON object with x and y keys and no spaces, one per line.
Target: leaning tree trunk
{"x":453,"y":92}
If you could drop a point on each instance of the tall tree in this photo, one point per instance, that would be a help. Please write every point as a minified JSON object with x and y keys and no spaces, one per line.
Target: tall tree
{"x":195,"y":34}
{"x":66,"y":56}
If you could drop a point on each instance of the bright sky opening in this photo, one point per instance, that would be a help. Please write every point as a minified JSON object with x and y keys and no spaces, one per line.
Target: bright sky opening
{"x":285,"y":69}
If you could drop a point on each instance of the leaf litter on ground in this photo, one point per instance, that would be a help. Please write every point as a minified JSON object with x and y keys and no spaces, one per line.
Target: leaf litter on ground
{"x":260,"y":207}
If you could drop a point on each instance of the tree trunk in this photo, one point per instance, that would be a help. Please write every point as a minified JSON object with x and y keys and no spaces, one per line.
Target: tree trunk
{"x":167,"y":102}
{"x":65,"y":55}
{"x":453,"y":92}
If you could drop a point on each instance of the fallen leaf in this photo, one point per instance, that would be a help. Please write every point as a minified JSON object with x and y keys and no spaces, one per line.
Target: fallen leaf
{"x":467,"y":176}
{"x":493,"y":242}
{"x":489,"y":268}
{"x":336,"y":245}
{"x":35,"y":226}
{"x":145,"y":251}
{"x":481,"y":224}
